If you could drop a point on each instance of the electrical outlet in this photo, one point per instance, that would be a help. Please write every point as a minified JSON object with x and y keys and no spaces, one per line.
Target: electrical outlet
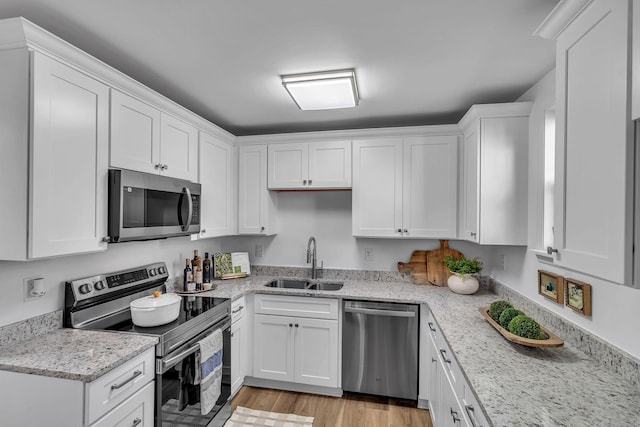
{"x":29,"y":291}
{"x":502,"y":262}
{"x":368,"y":254}
{"x":258,"y":251}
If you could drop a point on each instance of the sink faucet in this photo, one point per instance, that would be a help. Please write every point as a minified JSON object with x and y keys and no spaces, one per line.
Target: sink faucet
{"x":311,"y":257}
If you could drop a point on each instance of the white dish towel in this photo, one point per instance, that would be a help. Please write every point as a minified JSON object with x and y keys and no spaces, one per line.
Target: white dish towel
{"x":210,"y":370}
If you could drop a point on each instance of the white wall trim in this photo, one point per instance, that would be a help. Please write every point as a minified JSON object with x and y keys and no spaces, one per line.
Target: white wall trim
{"x":560,"y":17}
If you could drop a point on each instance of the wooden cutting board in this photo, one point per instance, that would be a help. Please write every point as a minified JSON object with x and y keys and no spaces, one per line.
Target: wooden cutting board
{"x":417,"y":267}
{"x":437,"y":272}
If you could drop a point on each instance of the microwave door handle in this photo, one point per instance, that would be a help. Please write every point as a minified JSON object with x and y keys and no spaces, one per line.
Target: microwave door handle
{"x":186,"y":226}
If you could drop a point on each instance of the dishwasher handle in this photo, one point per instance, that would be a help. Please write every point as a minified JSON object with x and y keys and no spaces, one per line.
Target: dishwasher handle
{"x":378,"y":312}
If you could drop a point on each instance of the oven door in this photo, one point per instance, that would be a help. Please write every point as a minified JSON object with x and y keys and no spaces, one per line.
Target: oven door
{"x":178,"y":402}
{"x":144,"y":206}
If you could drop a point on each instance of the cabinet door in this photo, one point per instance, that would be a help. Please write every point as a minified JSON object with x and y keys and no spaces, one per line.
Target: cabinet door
{"x":430,"y":186}
{"x":238,"y":331}
{"x":288,"y":166}
{"x":255,"y":203}
{"x":69,"y":160}
{"x":135,"y":134}
{"x":330,"y":164}
{"x":377,"y":188}
{"x":316,"y":352}
{"x":471,"y":183}
{"x":178,"y":148}
{"x":435,"y":373}
{"x":594,"y":141}
{"x":218,"y":213}
{"x":273,"y":346}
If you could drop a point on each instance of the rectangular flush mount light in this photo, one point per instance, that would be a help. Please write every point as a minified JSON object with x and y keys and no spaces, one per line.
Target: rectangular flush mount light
{"x":323,"y":90}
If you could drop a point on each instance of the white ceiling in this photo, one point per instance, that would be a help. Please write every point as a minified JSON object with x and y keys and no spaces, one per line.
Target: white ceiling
{"x":417,"y":61}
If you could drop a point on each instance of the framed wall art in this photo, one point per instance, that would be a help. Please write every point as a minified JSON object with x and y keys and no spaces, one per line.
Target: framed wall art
{"x":578,"y":296}
{"x":551,"y":286}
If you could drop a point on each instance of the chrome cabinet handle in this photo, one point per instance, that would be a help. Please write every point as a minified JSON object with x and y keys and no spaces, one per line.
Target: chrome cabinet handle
{"x":309,"y":182}
{"x":158,"y":166}
{"x":406,"y":231}
{"x":106,"y":239}
{"x":399,"y":230}
{"x":296,"y":325}
{"x":551,"y":250}
{"x":454,"y":415}
{"x":473,"y":234}
{"x":443,"y":352}
{"x":165,"y":167}
{"x":472,"y":415}
{"x":304,"y":182}
{"x":237,"y":310}
{"x":431,"y":327}
{"x":261,"y":228}
{"x":291,"y":325}
{"x":203,"y":231}
{"x":136,"y":422}
{"x":433,"y":359}
{"x":136,"y":374}
{"x":188,"y":223}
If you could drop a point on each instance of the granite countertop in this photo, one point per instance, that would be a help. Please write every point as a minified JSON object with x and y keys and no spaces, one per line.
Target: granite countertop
{"x":73,"y":354}
{"x":515,"y":385}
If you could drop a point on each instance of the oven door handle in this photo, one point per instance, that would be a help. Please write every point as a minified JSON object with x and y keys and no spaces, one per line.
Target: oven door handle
{"x":186,"y":226}
{"x":178,"y":357}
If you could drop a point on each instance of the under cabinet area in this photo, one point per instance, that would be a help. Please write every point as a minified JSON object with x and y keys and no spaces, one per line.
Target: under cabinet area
{"x":310,"y":166}
{"x":494,"y":171}
{"x":53,"y":165}
{"x":296,"y":340}
{"x":405,"y":187}
{"x":256,"y":205}
{"x":123,"y":396}
{"x":146,"y":139}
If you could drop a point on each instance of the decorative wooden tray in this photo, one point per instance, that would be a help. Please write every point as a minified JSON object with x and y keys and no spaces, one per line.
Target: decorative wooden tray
{"x":233,"y":276}
{"x":551,"y":340}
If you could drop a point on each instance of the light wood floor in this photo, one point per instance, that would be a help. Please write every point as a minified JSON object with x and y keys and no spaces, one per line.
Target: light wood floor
{"x":351,"y":410}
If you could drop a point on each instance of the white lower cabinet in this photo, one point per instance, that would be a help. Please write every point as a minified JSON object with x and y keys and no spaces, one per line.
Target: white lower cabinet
{"x":297,"y":349}
{"x":239,"y":343}
{"x":121,"y":397}
{"x":449,"y":397}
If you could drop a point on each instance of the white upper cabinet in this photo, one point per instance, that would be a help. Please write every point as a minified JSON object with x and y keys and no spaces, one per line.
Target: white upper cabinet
{"x":405,"y":187}
{"x":307,"y":166}
{"x":147,"y":140}
{"x":495,"y":165}
{"x":53,"y":159}
{"x":594,"y":142}
{"x":217,"y":175}
{"x":256,"y":205}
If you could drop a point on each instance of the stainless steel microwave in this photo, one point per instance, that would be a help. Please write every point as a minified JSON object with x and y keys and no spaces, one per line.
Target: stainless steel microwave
{"x":143,"y":206}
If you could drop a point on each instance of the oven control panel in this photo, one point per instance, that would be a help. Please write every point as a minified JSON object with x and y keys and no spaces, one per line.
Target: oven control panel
{"x":104,"y":284}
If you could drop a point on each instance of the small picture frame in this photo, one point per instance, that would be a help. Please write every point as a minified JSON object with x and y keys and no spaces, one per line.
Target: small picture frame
{"x":578,"y":296}
{"x":551,"y":286}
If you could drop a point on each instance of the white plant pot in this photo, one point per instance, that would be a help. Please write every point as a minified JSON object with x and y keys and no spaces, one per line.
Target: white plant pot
{"x":155,"y":311}
{"x":463,"y":284}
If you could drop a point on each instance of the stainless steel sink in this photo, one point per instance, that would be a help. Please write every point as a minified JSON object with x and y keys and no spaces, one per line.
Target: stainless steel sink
{"x":325,"y":286}
{"x":288,"y":284}
{"x":304,"y":284}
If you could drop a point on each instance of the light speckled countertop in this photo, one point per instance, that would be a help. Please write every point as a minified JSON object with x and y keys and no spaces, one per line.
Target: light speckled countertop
{"x":516,"y":385}
{"x":73,"y":354}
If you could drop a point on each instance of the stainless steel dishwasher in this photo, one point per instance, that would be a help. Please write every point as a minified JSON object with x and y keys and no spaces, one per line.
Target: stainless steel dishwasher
{"x":380,"y":349}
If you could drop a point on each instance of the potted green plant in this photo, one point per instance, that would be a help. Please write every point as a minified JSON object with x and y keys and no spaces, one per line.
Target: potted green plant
{"x":463,"y":271}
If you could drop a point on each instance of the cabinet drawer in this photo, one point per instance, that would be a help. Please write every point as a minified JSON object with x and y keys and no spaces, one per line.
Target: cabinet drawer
{"x":111,"y":389}
{"x":136,"y":411}
{"x":285,"y":305}
{"x":238,"y":307}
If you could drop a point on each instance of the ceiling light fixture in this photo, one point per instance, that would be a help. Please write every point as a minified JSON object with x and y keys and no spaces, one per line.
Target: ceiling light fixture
{"x":323,"y":90}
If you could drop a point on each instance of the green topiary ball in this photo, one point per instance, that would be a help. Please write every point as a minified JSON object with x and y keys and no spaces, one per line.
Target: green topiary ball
{"x":507,"y":315}
{"x":526,"y":327}
{"x":497,"y":307}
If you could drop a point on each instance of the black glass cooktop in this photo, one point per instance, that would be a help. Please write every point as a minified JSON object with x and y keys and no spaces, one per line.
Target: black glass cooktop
{"x":191,"y":307}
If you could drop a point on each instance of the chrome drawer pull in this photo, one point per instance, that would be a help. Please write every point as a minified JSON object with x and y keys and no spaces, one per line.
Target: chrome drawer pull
{"x":472,"y":415}
{"x":136,"y":422}
{"x":237,"y":310}
{"x":136,"y":373}
{"x":431,"y":327}
{"x":454,"y":415}
{"x":443,"y":353}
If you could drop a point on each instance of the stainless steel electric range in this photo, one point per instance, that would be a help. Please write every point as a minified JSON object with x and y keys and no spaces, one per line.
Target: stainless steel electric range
{"x":101,"y":302}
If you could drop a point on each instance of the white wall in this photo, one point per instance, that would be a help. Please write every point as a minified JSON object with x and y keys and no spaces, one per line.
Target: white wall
{"x":56,"y":271}
{"x":326,"y":215}
{"x":615,"y":308}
